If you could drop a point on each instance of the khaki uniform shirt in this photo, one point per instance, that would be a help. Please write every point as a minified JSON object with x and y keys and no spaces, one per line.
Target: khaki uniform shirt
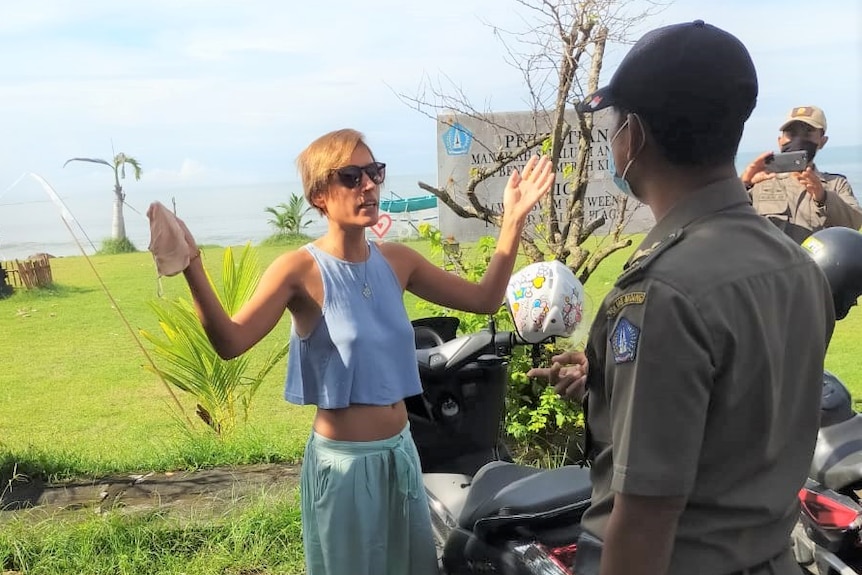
{"x":704,"y":382}
{"x":785,"y":202}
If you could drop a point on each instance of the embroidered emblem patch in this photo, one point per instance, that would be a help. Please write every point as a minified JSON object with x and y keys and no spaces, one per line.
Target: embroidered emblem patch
{"x":631,"y":298}
{"x":624,"y":341}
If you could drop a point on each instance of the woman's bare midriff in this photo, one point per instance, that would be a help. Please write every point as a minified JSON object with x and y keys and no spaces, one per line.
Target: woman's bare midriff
{"x":361,"y":422}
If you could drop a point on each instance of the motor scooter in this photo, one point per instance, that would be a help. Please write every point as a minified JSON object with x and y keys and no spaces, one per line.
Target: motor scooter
{"x":827,"y":540}
{"x":489,"y":515}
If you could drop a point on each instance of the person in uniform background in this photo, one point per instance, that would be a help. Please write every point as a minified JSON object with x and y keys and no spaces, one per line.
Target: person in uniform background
{"x":801,"y":203}
{"x":703,"y":365}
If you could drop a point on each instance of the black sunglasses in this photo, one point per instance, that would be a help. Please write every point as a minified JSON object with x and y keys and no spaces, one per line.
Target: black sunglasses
{"x":351,"y":176}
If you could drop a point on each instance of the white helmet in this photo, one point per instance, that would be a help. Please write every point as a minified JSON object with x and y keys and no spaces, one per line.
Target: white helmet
{"x":545,"y":299}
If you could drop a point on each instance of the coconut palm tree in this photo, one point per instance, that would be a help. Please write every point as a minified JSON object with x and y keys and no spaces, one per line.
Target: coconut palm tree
{"x":118,"y":224}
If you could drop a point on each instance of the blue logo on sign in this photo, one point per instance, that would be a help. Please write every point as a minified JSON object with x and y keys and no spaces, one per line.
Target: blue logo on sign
{"x":457,"y":140}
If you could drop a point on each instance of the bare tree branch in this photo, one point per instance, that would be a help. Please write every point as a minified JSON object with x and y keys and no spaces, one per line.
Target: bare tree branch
{"x":548,"y":53}
{"x":600,"y":255}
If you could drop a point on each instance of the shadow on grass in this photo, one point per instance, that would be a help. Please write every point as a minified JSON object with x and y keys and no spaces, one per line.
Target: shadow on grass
{"x":198,"y":464}
{"x":23,"y":477}
{"x":53,"y":291}
{"x":31,"y":464}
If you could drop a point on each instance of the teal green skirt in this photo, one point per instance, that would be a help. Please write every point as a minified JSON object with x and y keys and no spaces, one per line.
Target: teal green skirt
{"x":364,"y":510}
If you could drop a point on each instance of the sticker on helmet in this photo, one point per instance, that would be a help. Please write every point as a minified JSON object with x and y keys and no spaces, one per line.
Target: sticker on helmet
{"x":813,"y":245}
{"x":624,"y":341}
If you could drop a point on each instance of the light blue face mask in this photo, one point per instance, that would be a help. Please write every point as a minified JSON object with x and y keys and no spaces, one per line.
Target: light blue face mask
{"x":620,"y":179}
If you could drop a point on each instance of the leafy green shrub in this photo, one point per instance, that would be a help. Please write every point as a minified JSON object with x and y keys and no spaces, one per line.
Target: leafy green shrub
{"x":540,"y":424}
{"x":112,"y":246}
{"x":285,"y":239}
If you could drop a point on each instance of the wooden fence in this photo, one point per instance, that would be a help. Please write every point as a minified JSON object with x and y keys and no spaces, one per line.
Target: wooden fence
{"x":30,"y":273}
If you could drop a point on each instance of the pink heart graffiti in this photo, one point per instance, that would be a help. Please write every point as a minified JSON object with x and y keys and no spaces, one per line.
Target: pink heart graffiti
{"x":384,"y":222}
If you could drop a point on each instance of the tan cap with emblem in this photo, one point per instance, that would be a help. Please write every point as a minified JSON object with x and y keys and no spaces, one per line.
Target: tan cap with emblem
{"x":811,"y":115}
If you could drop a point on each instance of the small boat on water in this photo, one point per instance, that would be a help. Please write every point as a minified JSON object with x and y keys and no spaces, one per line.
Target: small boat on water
{"x":398,"y":205}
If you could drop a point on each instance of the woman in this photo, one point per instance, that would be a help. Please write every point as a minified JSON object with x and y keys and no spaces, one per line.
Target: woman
{"x":352,"y":355}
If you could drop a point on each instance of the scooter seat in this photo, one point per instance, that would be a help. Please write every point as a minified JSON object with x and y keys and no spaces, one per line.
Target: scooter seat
{"x":837,"y":461}
{"x":501,"y":489}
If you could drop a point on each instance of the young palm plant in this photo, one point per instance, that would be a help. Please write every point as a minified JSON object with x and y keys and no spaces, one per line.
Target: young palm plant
{"x":223,"y":389}
{"x":289,"y":219}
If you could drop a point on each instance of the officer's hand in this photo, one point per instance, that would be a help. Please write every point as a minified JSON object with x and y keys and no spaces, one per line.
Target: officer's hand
{"x":568,"y":374}
{"x":812,"y":184}
{"x":756,"y":172}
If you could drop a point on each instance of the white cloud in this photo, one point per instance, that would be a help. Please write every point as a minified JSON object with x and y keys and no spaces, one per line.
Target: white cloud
{"x":804,"y":54}
{"x":187,"y":85}
{"x":190,"y":172}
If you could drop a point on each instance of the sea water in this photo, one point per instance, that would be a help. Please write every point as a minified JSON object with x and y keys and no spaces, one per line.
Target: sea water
{"x":226,"y":215}
{"x":31,"y":223}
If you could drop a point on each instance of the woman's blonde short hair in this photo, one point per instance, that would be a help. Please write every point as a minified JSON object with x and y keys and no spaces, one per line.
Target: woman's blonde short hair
{"x":328,"y":152}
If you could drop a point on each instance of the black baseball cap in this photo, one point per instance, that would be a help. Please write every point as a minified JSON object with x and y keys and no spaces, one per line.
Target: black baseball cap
{"x":691,"y":69}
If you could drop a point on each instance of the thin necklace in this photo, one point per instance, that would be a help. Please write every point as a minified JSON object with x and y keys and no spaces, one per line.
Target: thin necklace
{"x":366,"y":289}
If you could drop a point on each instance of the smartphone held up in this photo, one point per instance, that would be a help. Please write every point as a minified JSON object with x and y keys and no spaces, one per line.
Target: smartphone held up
{"x":784,"y":162}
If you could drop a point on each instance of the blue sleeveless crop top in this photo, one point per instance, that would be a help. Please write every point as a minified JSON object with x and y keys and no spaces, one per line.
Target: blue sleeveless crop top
{"x":363,"y":349}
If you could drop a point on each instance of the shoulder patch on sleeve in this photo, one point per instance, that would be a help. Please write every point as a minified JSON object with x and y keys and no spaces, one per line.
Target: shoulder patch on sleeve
{"x":826,"y":176}
{"x":642,"y":259}
{"x":626,"y":299}
{"x":624,"y":341}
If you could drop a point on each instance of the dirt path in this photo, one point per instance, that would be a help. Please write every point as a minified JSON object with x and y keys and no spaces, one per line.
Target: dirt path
{"x":208,"y":489}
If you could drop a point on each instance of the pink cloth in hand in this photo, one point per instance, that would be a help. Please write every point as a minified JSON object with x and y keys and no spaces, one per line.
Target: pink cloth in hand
{"x":168,"y":242}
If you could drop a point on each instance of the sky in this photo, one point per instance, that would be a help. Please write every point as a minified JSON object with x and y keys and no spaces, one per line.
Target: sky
{"x":218,"y":92}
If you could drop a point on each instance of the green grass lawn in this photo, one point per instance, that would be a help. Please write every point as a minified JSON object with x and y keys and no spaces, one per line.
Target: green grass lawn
{"x":260,"y":536}
{"x":74,"y":380}
{"x":76,"y":399}
{"x":74,"y":390}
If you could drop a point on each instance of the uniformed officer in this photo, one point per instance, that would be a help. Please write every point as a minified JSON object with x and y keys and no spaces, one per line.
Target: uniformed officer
{"x":703,"y":365}
{"x":801,"y":203}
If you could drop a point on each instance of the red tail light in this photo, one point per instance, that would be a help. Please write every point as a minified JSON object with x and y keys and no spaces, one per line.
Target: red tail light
{"x":564,"y":556}
{"x":829,"y":512}
{"x":547,"y":560}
